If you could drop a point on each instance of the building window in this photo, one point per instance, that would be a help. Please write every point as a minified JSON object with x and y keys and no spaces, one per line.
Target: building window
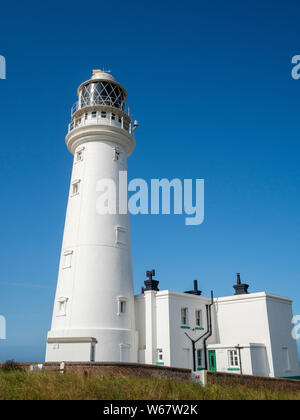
{"x":94,"y":114}
{"x":120,"y":120}
{"x":199,"y":358}
{"x":103,"y":114}
{"x":160,"y":356}
{"x":184,"y":316}
{"x":75,"y":187}
{"x":233,"y":359}
{"x":67,"y":259}
{"x":113,"y":116}
{"x":86,"y":116}
{"x":198,"y":318}
{"x":62,"y":306}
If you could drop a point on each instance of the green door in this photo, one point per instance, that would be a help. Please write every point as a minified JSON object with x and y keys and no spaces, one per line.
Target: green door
{"x":212,"y":360}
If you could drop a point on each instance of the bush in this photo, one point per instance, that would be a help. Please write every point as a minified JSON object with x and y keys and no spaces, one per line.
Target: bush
{"x":10,"y":365}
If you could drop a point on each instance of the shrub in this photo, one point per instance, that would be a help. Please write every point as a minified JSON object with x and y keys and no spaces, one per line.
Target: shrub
{"x":10,"y":365}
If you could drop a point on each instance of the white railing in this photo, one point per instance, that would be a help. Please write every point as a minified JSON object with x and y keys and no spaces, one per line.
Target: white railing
{"x":98,"y":121}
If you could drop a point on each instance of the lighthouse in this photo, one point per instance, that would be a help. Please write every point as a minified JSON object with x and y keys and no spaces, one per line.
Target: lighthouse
{"x":93,"y":315}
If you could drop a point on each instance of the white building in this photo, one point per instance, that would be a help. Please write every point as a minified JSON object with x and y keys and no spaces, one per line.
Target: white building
{"x":244,"y":333}
{"x":96,"y":316}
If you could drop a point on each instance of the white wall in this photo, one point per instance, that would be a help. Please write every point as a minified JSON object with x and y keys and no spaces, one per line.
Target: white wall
{"x":71,"y":352}
{"x":244,"y":319}
{"x":284,"y":347}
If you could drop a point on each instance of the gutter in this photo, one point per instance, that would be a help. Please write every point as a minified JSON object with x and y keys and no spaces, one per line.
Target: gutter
{"x":209,"y":333}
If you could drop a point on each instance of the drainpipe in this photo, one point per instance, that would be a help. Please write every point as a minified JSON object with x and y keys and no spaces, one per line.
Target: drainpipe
{"x":208,"y":317}
{"x":209,"y":331}
{"x":240,"y":357}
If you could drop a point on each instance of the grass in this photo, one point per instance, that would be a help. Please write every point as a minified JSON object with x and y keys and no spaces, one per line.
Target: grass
{"x":55,"y":386}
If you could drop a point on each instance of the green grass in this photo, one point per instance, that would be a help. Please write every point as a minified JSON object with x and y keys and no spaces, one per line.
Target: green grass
{"x":55,"y":386}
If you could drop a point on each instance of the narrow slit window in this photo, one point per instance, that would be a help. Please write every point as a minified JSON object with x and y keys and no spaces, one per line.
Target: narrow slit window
{"x":79,"y":155}
{"x":122,"y":307}
{"x":116,"y":153}
{"x":62,"y":306}
{"x":121,"y":235}
{"x":67,"y":259}
{"x":75,"y":187}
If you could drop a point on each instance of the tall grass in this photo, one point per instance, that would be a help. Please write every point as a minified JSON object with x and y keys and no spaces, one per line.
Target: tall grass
{"x":71,"y":386}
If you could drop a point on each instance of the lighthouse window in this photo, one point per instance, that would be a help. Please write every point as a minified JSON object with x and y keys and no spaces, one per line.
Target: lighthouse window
{"x":79,"y":155}
{"x":86,"y":116}
{"x":62,"y":306}
{"x":184,"y":316}
{"x":117,"y":153}
{"x":94,"y":114}
{"x":67,"y":261}
{"x":75,"y":187}
{"x":122,"y":307}
{"x":199,"y":318}
{"x":120,"y":120}
{"x":113,"y":116}
{"x":103,"y":114}
{"x":121,"y":235}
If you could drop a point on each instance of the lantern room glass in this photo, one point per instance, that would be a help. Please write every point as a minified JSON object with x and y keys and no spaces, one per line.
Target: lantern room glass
{"x":102,"y":93}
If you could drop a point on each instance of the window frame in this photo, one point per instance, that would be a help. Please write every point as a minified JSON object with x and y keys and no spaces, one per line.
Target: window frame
{"x":75,"y":187}
{"x":62,"y":306}
{"x":233,"y":359}
{"x":200,"y":318}
{"x":184,"y":316}
{"x":67,"y":258}
{"x":122,"y":302}
{"x":199,"y":358}
{"x":80,"y":153}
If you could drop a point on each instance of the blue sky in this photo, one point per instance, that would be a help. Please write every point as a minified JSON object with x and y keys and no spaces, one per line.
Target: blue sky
{"x":210,"y":83}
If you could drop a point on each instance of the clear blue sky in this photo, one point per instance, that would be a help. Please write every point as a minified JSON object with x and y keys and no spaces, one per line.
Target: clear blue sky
{"x":210,"y":83}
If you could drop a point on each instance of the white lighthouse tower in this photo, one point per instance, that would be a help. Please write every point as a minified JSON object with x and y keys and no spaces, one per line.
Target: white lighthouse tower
{"x":93,"y":315}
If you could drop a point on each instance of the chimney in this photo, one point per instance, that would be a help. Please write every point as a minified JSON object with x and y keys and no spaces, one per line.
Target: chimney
{"x":240,"y":288}
{"x":150,"y":283}
{"x":195,"y":291}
